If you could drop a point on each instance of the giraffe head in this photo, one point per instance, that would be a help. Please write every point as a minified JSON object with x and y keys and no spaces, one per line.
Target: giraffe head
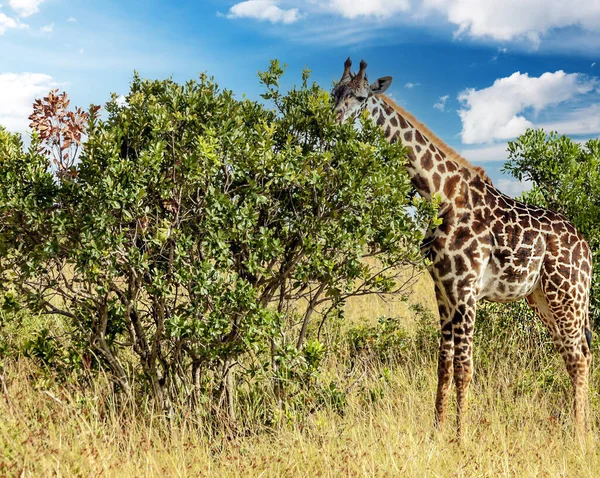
{"x":352,"y":93}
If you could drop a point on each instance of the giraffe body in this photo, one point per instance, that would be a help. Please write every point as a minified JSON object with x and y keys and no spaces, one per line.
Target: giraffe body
{"x":489,"y":246}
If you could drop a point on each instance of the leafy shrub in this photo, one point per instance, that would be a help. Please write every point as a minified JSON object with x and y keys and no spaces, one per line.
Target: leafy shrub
{"x":180,"y":242}
{"x":510,"y":340}
{"x":511,"y":326}
{"x":427,"y":334}
{"x":387,"y":341}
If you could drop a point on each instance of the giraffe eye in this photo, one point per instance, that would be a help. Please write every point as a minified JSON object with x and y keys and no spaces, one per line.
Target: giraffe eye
{"x":361,"y":98}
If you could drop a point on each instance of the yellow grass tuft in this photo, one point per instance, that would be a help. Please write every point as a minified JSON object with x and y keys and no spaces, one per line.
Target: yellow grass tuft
{"x":373,"y":306}
{"x":49,"y":431}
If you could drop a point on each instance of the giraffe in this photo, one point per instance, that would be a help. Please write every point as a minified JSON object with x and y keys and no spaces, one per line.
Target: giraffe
{"x":489,"y":246}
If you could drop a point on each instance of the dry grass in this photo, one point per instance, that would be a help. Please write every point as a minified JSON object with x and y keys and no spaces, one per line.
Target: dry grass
{"x":518,"y":424}
{"x":371,"y":307}
{"x":46,"y":431}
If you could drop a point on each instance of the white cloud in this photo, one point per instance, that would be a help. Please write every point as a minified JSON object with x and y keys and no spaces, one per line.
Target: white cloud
{"x":7,"y":22}
{"x":441,"y":104}
{"x":371,"y":8}
{"x":17,"y":93}
{"x":122,"y":101}
{"x":81,"y":51}
{"x":516,"y":19}
{"x":593,"y":64}
{"x":25,"y":8}
{"x":579,"y":121}
{"x":495,"y":113}
{"x":501,"y":51}
{"x":555,"y":24}
{"x":513,"y":187}
{"x":72,"y":20}
{"x":47,"y":28}
{"x":410,"y":85}
{"x":486,"y":154}
{"x":264,"y":10}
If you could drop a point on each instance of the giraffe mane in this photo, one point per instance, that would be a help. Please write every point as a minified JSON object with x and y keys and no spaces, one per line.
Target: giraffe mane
{"x":450,"y":153}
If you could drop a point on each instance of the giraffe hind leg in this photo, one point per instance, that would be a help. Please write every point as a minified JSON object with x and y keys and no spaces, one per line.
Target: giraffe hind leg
{"x":457,"y":318}
{"x":567,"y":323}
{"x":445,"y":367}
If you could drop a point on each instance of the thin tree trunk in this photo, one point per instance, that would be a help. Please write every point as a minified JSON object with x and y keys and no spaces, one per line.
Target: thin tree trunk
{"x":196,"y":377}
{"x":307,"y":315}
{"x":230,"y":389}
{"x":100,"y":344}
{"x":227,"y":398}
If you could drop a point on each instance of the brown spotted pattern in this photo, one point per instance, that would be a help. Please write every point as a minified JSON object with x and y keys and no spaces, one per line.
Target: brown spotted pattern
{"x":489,"y":246}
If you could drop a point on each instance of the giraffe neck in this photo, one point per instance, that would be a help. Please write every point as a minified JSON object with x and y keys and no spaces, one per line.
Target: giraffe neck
{"x":433,"y":168}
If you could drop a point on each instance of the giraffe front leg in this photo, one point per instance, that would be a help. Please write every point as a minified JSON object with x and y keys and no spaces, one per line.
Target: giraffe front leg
{"x":445,"y":366}
{"x":463,"y":372}
{"x":445,"y":363}
{"x":463,"y":324}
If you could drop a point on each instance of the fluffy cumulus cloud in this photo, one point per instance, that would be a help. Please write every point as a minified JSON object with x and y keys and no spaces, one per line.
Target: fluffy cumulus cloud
{"x":495,"y":113}
{"x":264,"y":10}
{"x":25,"y":8}
{"x":514,"y":19}
{"x":7,"y":23}
{"x":17,"y":93}
{"x":371,"y":8}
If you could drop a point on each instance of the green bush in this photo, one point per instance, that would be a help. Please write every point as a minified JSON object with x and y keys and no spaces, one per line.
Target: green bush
{"x":385,"y":342}
{"x":179,"y":243}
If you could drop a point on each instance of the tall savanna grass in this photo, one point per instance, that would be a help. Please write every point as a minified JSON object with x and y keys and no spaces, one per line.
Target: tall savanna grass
{"x":371,"y":416}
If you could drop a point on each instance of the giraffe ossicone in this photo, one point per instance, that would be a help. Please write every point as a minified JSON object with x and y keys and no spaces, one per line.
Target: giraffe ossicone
{"x":489,"y":246}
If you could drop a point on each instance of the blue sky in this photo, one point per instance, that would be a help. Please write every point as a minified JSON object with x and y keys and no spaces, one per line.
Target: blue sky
{"x":477,"y":72}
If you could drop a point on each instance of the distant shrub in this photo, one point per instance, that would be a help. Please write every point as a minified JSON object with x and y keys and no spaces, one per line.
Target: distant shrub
{"x":386,"y":341}
{"x":511,"y":328}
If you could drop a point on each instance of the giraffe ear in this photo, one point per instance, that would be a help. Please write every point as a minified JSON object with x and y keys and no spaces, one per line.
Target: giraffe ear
{"x":381,"y":85}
